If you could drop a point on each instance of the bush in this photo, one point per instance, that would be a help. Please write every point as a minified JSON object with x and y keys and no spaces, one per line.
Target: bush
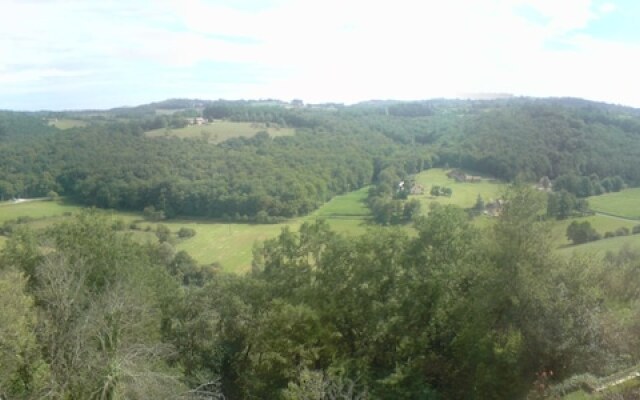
{"x":151,"y":214}
{"x":623,"y":231}
{"x":185,"y":233}
{"x":118,"y":225}
{"x":635,"y":230}
{"x":609,"y":234}
{"x":582,"y":232}
{"x":163,"y":233}
{"x":586,"y":382}
{"x":52,"y":195}
{"x":24,"y":219}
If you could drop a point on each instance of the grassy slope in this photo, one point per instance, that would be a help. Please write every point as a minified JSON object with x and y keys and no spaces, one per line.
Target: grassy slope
{"x":600,"y":223}
{"x":464,"y":194}
{"x":625,"y":203}
{"x":221,"y":130}
{"x":34,"y":209}
{"x":68,"y":123}
{"x":227,"y":243}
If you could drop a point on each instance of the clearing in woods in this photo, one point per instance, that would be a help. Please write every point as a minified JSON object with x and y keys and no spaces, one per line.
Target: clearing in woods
{"x":624,"y":204}
{"x":464,"y":194}
{"x":219,"y":131}
{"x":67,"y":123}
{"x":230,"y":244}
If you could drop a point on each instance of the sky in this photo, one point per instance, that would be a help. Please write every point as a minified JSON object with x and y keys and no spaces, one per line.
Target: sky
{"x":83,"y":54}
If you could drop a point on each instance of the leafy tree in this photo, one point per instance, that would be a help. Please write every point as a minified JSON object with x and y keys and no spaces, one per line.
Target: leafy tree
{"x":185,"y":233}
{"x":23,"y":373}
{"x":163,"y":233}
{"x":581,"y":232}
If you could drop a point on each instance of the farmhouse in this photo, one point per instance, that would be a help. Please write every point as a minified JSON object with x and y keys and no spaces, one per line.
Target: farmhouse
{"x":197,"y":121}
{"x":494,"y":208}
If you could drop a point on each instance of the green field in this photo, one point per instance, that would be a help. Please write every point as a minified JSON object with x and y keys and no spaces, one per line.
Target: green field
{"x":68,"y":123}
{"x":601,"y":247}
{"x":600,"y":223}
{"x":35,"y":209}
{"x":624,"y":204}
{"x":220,"y":131}
{"x":230,"y":244}
{"x":464,"y":194}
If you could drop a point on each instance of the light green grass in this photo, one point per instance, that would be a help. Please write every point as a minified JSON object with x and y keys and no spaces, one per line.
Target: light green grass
{"x":600,"y":223}
{"x":624,"y":204}
{"x":464,"y":194}
{"x":232,"y":244}
{"x":68,"y":123}
{"x":227,"y":243}
{"x":349,"y":205}
{"x":600,"y":247}
{"x":35,"y":209}
{"x":220,"y":131}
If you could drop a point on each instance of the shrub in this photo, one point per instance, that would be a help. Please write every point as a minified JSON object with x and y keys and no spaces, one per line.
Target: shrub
{"x":118,"y":225}
{"x":623,"y":231}
{"x":163,"y":233}
{"x":586,"y":382}
{"x":635,"y":230}
{"x":151,"y":214}
{"x":24,"y":219}
{"x":185,"y":233}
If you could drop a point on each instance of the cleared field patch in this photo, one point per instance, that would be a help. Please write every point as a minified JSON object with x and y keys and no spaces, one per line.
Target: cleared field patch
{"x":229,"y":244}
{"x":347,"y":205}
{"x":35,"y":209}
{"x":220,"y":131}
{"x":68,"y":123}
{"x":601,"y":247}
{"x":464,"y":194}
{"x":624,"y":204}
{"x":600,"y":223}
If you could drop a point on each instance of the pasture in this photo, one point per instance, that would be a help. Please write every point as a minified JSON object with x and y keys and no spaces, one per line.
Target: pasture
{"x":601,"y":247}
{"x":229,"y":244}
{"x":600,"y":223}
{"x":35,"y":209}
{"x":624,"y":204}
{"x":220,"y":131}
{"x":67,"y":123}
{"x":464,"y":194}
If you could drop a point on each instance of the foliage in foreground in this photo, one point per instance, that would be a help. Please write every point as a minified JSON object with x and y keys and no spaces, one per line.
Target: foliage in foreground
{"x":453,"y":312}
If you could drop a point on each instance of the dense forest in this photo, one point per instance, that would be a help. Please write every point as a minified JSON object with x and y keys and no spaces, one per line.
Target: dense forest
{"x":335,"y":149}
{"x":446,"y":309}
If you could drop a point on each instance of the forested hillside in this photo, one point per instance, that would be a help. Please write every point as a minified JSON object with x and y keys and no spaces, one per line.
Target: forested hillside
{"x":336,"y":149}
{"x":444,"y":307}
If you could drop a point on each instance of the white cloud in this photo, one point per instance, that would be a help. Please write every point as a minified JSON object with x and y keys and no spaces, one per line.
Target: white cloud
{"x":333,"y":50}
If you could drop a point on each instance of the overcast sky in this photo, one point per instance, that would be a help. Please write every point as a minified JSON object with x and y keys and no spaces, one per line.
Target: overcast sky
{"x":100,"y":54}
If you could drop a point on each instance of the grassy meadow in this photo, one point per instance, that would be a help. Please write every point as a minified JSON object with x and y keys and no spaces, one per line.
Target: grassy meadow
{"x":220,"y":131}
{"x":464,"y":194}
{"x":68,"y":123}
{"x":230,"y":244}
{"x":625,"y":204}
{"x":600,"y":223}
{"x":35,"y":209}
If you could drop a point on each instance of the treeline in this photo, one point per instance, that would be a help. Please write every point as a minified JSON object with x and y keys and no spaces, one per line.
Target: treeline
{"x":282,"y":177}
{"x":453,"y":312}
{"x":584,"y":148}
{"x":535,"y":140}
